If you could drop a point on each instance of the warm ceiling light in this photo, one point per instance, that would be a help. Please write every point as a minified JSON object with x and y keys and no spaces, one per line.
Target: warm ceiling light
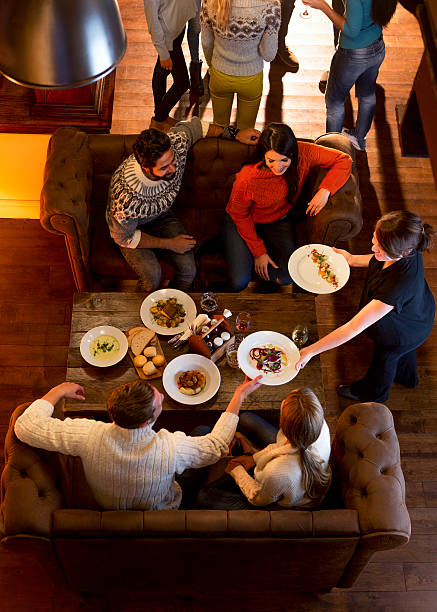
{"x":59,"y":44}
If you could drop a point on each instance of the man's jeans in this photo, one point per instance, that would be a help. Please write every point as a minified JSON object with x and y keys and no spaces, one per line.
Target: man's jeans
{"x":144,"y":262}
{"x":349,"y":67}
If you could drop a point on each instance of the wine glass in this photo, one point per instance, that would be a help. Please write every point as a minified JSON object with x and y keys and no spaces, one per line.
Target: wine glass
{"x":300,"y":335}
{"x":242,"y":322}
{"x":306,"y":13}
{"x":208,"y":302}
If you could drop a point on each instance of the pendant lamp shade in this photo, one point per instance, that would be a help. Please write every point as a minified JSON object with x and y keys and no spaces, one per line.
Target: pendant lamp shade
{"x":59,"y":44}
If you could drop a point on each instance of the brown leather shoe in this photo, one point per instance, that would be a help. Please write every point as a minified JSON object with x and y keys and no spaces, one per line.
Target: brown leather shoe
{"x":165,"y":125}
{"x":288,"y":59}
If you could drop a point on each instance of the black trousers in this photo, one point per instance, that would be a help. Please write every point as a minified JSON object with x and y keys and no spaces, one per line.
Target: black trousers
{"x":165,"y":100}
{"x":389,"y":364}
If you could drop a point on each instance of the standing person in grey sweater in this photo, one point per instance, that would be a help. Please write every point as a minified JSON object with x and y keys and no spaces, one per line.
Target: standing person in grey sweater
{"x":237,"y":35}
{"x":127,"y":464}
{"x":141,"y":195}
{"x":166,"y":20}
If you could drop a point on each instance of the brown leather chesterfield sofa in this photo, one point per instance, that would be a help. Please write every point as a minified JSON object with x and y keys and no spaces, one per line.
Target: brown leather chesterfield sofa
{"x":48,"y":511}
{"x":78,"y":171}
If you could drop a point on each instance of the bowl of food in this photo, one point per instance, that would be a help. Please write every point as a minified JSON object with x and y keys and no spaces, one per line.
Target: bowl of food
{"x":268,"y":353}
{"x":103,"y":346}
{"x":191,"y":379}
{"x":168,"y":311}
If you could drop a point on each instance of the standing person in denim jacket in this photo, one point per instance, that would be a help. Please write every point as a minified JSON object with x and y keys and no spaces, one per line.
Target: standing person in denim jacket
{"x":359,"y":55}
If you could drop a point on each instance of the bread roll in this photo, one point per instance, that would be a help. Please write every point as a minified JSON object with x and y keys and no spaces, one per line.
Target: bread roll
{"x":150,"y":351}
{"x":149,"y":368}
{"x":139,"y":361}
{"x":158,"y":360}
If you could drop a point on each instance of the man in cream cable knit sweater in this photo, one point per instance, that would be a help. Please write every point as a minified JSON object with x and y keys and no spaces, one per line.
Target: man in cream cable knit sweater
{"x":127,"y":464}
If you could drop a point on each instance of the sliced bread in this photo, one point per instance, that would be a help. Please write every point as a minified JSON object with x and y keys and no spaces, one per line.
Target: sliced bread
{"x":140,"y":340}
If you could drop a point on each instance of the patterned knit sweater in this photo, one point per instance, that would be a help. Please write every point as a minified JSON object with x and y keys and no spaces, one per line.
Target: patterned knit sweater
{"x":134,"y":199}
{"x":259,"y":196}
{"x":126,"y":468}
{"x":278,"y":472}
{"x":251,"y":37}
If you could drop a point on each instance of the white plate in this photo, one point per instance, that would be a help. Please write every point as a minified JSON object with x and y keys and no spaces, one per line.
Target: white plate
{"x":103,"y":330}
{"x":164,"y":294}
{"x":183,"y":363}
{"x":305,"y":272}
{"x":262,"y":338}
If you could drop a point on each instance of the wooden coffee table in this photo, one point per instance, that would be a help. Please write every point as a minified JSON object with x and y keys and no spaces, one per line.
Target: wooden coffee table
{"x":277,"y":312}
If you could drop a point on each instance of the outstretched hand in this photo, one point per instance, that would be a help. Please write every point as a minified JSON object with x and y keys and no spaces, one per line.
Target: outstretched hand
{"x":246,"y":461}
{"x":248,"y":136}
{"x":248,"y":386}
{"x":305,"y":356}
{"x":348,"y":257}
{"x":65,"y":390}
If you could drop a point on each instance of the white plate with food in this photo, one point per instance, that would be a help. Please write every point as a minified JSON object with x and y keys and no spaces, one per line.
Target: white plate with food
{"x":103,"y":346}
{"x":168,"y":311}
{"x":268,"y":353}
{"x":318,"y":268}
{"x":191,"y":379}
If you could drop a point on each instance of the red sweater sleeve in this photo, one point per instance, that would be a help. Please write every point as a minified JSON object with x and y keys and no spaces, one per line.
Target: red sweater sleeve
{"x":339,"y":164}
{"x":239,"y":208}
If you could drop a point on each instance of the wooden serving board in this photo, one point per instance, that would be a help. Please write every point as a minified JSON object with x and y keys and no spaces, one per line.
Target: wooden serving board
{"x":153,"y":342}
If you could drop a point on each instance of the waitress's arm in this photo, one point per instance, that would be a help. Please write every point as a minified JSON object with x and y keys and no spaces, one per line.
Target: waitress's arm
{"x":367,"y":316}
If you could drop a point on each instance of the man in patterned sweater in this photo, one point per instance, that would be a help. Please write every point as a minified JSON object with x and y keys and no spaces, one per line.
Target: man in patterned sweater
{"x":142,"y":192}
{"x":127,"y":464}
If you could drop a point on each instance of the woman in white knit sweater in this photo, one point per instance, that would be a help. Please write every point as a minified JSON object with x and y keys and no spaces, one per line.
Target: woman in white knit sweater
{"x":292,"y":470}
{"x":237,"y":35}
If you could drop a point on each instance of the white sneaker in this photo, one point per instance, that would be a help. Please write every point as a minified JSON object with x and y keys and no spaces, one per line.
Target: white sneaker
{"x":360,"y":146}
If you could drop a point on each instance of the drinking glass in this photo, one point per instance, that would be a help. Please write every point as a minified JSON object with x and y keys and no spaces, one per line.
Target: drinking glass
{"x":242,"y":322}
{"x":231,"y":354}
{"x":300,"y":335}
{"x":208,"y":302}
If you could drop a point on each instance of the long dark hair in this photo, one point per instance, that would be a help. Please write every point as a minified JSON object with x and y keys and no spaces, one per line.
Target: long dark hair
{"x":280,"y":138}
{"x":400,"y":231}
{"x":382,"y":11}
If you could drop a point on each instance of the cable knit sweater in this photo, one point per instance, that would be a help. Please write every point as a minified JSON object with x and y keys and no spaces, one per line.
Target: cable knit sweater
{"x":126,"y":468}
{"x":134,"y":199}
{"x":252,"y":36}
{"x":259,"y":196}
{"x":278,"y":472}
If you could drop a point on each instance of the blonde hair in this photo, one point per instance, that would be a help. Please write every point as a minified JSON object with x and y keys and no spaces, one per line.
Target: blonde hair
{"x":302,"y":419}
{"x":222,"y":10}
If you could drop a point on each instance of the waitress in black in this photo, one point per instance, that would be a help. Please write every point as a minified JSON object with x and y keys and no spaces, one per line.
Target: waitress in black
{"x":397,"y":308}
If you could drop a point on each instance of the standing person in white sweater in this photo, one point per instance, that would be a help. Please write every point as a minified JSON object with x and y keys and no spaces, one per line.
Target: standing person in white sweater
{"x":237,"y":35}
{"x":127,"y":464}
{"x":292,"y":470}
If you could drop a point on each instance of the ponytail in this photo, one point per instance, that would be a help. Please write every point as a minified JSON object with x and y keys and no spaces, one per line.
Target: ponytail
{"x":382,"y":11}
{"x":302,"y":419}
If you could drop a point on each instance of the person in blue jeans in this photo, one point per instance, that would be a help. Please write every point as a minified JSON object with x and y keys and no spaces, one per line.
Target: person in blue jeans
{"x":356,"y":61}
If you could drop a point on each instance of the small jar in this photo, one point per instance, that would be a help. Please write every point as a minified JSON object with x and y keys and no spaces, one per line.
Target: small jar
{"x":225,"y":336}
{"x":218,"y":342}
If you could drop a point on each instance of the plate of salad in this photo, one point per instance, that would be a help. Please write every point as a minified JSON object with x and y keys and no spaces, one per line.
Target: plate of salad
{"x":318,"y":268}
{"x":268,"y":353}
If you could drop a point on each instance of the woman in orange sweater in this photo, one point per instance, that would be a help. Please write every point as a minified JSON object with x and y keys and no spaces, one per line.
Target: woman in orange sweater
{"x":258,"y":230}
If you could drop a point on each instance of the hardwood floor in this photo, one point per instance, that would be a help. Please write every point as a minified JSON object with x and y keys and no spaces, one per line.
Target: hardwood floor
{"x":35,"y":307}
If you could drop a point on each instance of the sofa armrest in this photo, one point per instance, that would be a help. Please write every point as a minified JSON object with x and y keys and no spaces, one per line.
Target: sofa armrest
{"x":30,"y":490}
{"x":341,"y":218}
{"x":65,"y":197}
{"x":366,"y":459}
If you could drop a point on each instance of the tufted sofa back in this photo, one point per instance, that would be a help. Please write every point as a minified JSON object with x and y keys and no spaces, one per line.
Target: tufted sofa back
{"x":78,"y":172}
{"x":45,"y":500}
